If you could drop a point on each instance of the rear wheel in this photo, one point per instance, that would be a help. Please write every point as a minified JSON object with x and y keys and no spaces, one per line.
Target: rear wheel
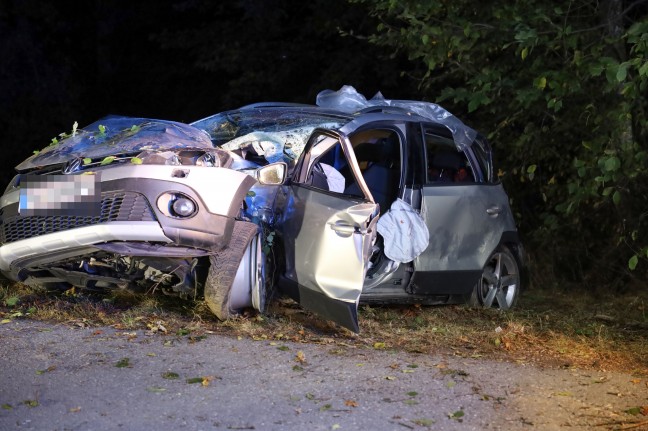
{"x":237,"y":274}
{"x":499,"y":285}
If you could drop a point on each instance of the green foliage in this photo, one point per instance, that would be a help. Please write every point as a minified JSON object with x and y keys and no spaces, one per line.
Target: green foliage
{"x":560,"y":90}
{"x":107,"y":160}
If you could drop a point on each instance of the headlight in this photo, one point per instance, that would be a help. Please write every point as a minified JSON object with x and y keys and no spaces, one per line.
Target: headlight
{"x":177,"y":205}
{"x":14,"y":183}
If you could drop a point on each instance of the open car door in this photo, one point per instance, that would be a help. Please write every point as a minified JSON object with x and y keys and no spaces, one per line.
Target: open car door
{"x":328,"y":234}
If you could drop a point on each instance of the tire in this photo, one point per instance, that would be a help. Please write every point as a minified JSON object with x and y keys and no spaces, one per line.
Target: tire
{"x":499,"y":285}
{"x":236,"y":278}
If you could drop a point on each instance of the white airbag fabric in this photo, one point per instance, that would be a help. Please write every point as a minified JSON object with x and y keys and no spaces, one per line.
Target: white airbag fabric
{"x":404,"y":231}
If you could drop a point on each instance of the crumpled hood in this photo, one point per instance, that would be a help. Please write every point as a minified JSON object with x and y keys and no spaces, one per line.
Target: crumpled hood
{"x":119,"y":135}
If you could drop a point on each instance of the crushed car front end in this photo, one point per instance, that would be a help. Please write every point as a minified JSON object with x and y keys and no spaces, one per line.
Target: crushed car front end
{"x":123,"y":203}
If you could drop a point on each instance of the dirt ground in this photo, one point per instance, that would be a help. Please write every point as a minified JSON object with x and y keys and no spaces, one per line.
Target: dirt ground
{"x":62,"y":377}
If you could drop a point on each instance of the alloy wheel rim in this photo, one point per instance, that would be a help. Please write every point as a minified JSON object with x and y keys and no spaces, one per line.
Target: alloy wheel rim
{"x":499,"y":282}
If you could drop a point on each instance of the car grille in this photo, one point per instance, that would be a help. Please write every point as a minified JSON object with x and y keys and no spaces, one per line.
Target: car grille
{"x":120,"y":206}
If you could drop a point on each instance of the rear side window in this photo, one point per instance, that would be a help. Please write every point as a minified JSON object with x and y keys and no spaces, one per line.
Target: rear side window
{"x":445,"y":164}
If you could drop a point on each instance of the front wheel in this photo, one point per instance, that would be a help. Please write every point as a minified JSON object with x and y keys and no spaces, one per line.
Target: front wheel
{"x":237,"y":274}
{"x":499,"y":285}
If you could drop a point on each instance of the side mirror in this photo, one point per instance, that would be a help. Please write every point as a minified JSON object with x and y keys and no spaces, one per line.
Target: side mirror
{"x":272,"y":175}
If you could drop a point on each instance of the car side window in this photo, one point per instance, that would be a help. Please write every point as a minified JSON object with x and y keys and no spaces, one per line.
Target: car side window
{"x":445,"y":164}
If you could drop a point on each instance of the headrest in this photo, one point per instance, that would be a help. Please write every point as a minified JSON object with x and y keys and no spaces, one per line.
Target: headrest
{"x":383,"y":150}
{"x":446,"y":160}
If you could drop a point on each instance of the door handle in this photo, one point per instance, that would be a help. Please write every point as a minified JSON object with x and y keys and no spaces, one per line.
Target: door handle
{"x":345,"y":229}
{"x":494,"y":210}
{"x":342,"y":228}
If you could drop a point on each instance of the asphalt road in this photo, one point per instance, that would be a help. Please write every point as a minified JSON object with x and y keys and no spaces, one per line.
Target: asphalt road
{"x":56,"y":377}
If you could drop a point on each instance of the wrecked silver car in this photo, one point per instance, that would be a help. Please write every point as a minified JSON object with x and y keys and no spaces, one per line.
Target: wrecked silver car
{"x":345,"y":201}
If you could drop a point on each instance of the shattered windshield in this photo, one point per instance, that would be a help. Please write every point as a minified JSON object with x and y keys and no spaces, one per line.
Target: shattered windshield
{"x":119,"y":135}
{"x":275,"y":134}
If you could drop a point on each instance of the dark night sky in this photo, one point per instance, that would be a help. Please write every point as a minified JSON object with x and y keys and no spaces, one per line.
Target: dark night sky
{"x":66,"y":61}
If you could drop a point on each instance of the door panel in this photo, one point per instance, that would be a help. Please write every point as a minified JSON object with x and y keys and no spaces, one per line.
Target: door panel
{"x":327,"y":240}
{"x":328,"y":236}
{"x":466,"y":223}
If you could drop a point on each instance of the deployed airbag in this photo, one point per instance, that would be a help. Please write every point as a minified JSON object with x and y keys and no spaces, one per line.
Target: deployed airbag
{"x":404,"y":231}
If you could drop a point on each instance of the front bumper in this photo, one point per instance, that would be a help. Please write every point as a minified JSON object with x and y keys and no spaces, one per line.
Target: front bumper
{"x":129,"y":213}
{"x":45,"y":245}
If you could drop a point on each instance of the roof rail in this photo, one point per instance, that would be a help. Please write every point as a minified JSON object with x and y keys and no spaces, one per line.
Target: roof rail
{"x":385,"y":109}
{"x":275,"y":105}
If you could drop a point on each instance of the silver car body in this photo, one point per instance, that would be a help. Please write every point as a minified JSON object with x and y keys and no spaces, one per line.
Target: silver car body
{"x":327,"y":252}
{"x":328,"y":237}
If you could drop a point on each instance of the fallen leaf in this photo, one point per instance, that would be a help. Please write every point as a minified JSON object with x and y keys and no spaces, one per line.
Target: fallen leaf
{"x":350,"y":403}
{"x":170,"y":375}
{"x":335,"y":427}
{"x":123,"y":363}
{"x":156,"y":327}
{"x":634,"y":411}
{"x":12,"y":301}
{"x":3,"y":321}
{"x":410,"y":402}
{"x":300,"y":357}
{"x":390,"y":378}
{"x":412,"y":394}
{"x":74,"y":409}
{"x":379,"y":345}
{"x":325,"y":407}
{"x":456,"y":415}
{"x":47,"y":370}
{"x":451,"y":384}
{"x":635,"y":381}
{"x":207,"y":380}
{"x":108,"y":160}
{"x":297,"y":368}
{"x":194,"y":339}
{"x":7,"y":407}
{"x":30,"y":403}
{"x":394,"y":366}
{"x":193,"y":380}
{"x":156,"y":389}
{"x":424,"y":422}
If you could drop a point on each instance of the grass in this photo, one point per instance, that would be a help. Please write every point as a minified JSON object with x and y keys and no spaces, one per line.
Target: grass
{"x":554,"y":328}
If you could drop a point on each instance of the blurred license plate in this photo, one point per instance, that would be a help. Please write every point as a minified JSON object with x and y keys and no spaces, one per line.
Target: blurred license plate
{"x":51,"y":195}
